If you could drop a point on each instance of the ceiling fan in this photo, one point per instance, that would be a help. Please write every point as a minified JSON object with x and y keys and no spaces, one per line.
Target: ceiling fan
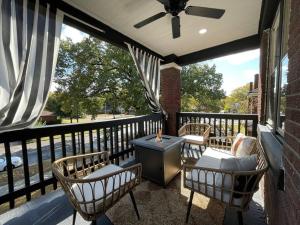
{"x":174,"y":7}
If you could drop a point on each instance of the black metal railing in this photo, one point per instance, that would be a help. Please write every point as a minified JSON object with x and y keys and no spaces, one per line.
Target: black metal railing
{"x":39,"y":147}
{"x":223,"y":124}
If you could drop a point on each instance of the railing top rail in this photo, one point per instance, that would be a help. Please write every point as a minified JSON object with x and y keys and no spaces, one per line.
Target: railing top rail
{"x":38,"y":132}
{"x":219,"y":115}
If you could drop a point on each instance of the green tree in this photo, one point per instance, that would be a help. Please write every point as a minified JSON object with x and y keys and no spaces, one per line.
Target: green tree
{"x":94,"y":106}
{"x":93,"y":69}
{"x":54,"y":104}
{"x":237,"y":101}
{"x":201,"y":88}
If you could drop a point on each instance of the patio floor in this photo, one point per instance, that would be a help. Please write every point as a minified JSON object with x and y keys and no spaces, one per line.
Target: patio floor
{"x":54,"y":208}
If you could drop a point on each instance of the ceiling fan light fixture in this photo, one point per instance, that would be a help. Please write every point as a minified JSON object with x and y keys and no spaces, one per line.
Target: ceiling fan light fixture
{"x":202,"y":31}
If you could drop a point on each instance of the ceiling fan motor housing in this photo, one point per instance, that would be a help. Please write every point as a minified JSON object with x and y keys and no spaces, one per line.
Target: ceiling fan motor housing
{"x":175,"y":6}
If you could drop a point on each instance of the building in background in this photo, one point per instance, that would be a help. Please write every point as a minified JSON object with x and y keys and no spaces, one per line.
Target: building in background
{"x":253,"y":95}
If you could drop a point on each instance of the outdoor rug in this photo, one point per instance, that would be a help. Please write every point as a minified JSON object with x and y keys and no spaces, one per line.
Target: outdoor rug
{"x":166,"y":206}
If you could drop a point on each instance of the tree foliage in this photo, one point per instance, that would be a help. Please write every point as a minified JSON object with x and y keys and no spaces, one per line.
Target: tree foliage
{"x":92,"y":73}
{"x":201,"y":88}
{"x":237,"y":101}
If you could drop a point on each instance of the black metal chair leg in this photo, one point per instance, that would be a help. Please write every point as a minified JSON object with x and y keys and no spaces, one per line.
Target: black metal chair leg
{"x":240,"y":217}
{"x":200,"y":149}
{"x":182,"y":149}
{"x":134,"y":204}
{"x":74,"y":216}
{"x":189,"y":207}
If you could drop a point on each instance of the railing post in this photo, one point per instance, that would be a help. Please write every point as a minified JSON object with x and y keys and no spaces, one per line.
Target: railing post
{"x":254,"y":126}
{"x":141,"y":127}
{"x":177,"y":122}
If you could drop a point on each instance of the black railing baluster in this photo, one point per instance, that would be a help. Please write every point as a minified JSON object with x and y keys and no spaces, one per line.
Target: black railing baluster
{"x":63,"y":145}
{"x":226,"y":125}
{"x":214,"y":126}
{"x":122,"y":140}
{"x":52,"y":155}
{"x":127,"y":140}
{"x":40,"y":165}
{"x":232,"y":127}
{"x":220,"y":126}
{"x":9,"y":170}
{"x":105,"y":139}
{"x":239,"y":126}
{"x":131,"y":136}
{"x":98,"y":140}
{"x":82,"y":142}
{"x":111,"y":139}
{"x":246,"y":127}
{"x":116,"y":135}
{"x":73,"y":137}
{"x":91,"y":140}
{"x":135,"y":125}
{"x":26,"y":170}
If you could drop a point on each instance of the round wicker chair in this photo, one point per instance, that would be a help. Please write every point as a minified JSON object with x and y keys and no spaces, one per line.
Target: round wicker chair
{"x":195,"y":134}
{"x":93,"y":185}
{"x":213,"y":182}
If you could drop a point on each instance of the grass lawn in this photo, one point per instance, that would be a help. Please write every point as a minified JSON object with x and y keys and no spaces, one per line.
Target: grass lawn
{"x":100,"y":117}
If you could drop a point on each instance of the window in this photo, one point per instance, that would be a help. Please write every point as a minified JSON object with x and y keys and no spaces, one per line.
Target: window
{"x":278,"y":68}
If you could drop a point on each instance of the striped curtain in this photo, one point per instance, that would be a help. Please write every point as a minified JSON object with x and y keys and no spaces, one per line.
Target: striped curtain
{"x":29,"y":42}
{"x":148,"y":67}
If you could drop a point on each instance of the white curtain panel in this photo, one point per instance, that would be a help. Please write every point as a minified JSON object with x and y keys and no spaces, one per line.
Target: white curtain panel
{"x":148,"y":67}
{"x":29,"y":43}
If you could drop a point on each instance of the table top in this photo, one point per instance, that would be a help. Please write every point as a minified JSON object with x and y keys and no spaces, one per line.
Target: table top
{"x":150,"y":142}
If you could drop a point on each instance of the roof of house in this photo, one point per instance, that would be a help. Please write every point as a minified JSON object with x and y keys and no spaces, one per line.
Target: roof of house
{"x":47,"y":113}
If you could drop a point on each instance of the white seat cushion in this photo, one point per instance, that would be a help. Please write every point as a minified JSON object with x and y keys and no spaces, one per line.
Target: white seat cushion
{"x":89,"y":192}
{"x":217,"y":153}
{"x":193,"y":139}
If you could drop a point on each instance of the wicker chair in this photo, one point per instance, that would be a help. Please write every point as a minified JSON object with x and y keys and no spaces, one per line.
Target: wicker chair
{"x":93,"y":185}
{"x":212,"y":181}
{"x":195,"y":134}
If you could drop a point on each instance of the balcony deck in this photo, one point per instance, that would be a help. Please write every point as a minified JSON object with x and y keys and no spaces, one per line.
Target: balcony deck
{"x":54,"y":208}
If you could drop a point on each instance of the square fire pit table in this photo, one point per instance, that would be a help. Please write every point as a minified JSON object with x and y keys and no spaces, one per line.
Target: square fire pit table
{"x":161,"y":161}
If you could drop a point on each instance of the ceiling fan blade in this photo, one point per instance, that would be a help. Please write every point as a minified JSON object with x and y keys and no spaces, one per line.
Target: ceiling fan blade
{"x":164,"y":2}
{"x":204,"y":12}
{"x":176,"y":26}
{"x":150,"y":20}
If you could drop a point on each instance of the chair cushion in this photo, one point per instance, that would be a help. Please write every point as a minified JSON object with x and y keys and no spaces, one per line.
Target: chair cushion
{"x":248,"y":163}
{"x":237,"y":141}
{"x":193,"y":139}
{"x":246,"y":147}
{"x":87,"y":193}
{"x":217,"y":153}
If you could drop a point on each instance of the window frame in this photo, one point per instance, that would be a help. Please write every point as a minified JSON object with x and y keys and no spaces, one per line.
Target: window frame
{"x":277,"y":69}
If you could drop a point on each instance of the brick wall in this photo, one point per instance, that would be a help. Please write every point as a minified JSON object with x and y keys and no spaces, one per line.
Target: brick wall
{"x":283,"y":207}
{"x":291,"y":153}
{"x":170,"y":96}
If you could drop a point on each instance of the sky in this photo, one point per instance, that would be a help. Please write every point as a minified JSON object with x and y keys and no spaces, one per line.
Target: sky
{"x":237,"y":69}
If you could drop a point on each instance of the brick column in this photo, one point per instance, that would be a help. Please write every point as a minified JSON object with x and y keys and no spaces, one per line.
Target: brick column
{"x":262,"y":86}
{"x":170,"y":94}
